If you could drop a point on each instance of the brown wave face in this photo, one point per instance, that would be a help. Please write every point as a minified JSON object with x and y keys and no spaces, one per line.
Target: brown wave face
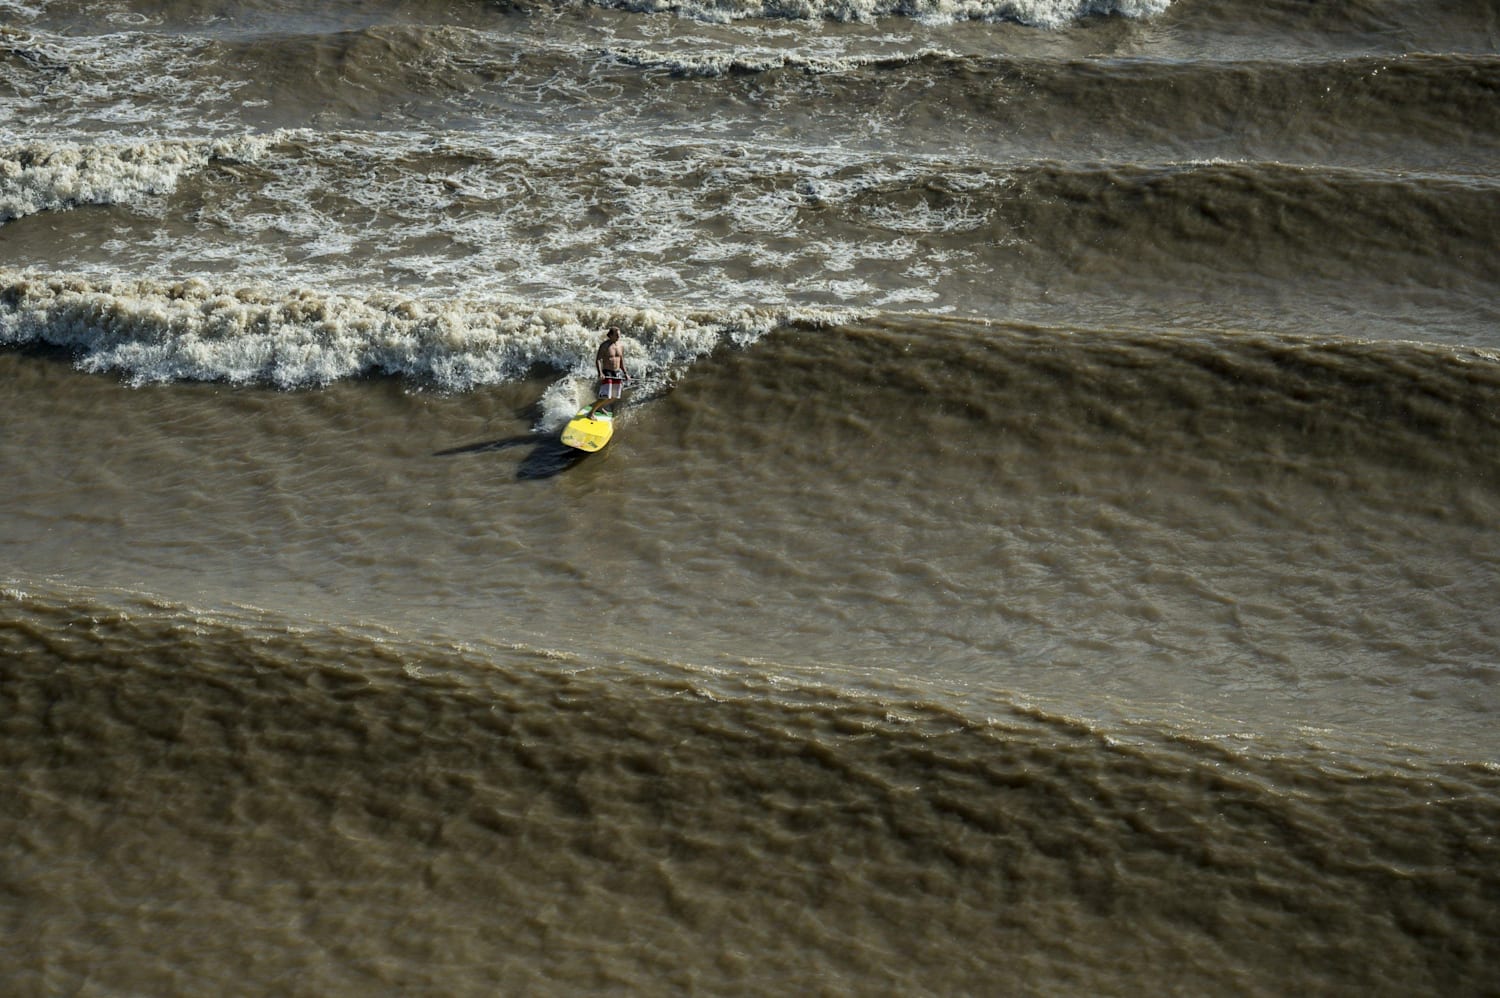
{"x":206,"y":800}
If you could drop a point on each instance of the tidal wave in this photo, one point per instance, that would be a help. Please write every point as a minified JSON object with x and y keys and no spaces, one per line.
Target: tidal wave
{"x":1048,"y":548}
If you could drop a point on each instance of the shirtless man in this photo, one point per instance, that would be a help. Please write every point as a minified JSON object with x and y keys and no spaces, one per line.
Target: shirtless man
{"x":609,"y":361}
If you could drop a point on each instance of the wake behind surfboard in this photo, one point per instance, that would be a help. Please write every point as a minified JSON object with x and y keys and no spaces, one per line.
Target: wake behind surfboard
{"x":589,"y":433}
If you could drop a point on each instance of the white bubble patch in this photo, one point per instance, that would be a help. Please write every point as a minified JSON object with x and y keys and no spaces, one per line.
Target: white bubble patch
{"x":153,"y":331}
{"x":1037,"y":13}
{"x":44,"y":176}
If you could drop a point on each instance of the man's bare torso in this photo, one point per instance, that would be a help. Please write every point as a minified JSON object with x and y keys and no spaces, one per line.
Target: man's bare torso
{"x":611,"y":357}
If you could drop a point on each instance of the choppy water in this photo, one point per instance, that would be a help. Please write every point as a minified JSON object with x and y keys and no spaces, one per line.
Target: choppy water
{"x":1049,"y":549}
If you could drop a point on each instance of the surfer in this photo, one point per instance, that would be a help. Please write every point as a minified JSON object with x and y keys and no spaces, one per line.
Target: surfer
{"x":609,"y":361}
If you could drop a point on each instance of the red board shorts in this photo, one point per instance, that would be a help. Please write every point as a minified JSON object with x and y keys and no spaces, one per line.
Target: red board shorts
{"x":611,"y":384}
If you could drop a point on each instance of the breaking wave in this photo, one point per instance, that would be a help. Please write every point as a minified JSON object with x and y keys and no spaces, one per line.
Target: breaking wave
{"x":192,"y":330}
{"x":1036,"y":13}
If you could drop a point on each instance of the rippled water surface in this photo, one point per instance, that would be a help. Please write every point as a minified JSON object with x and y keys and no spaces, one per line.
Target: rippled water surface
{"x":1048,"y":547}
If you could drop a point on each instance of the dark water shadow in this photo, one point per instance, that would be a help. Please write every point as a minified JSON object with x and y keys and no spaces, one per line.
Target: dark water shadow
{"x":549,"y":455}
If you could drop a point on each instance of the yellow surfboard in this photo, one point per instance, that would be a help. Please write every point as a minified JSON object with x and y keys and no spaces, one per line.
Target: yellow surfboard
{"x":589,"y":433}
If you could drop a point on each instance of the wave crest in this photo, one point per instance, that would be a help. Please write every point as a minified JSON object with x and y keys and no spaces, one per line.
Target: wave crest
{"x":1036,"y":13}
{"x":155,"y":331}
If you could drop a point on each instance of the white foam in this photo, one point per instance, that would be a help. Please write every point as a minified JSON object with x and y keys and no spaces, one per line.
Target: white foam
{"x":43,"y":176}
{"x":15,"y":8}
{"x":556,"y":222}
{"x":677,"y":227}
{"x":711,"y":63}
{"x":193,"y":330}
{"x":1038,"y":13}
{"x":136,"y":82}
